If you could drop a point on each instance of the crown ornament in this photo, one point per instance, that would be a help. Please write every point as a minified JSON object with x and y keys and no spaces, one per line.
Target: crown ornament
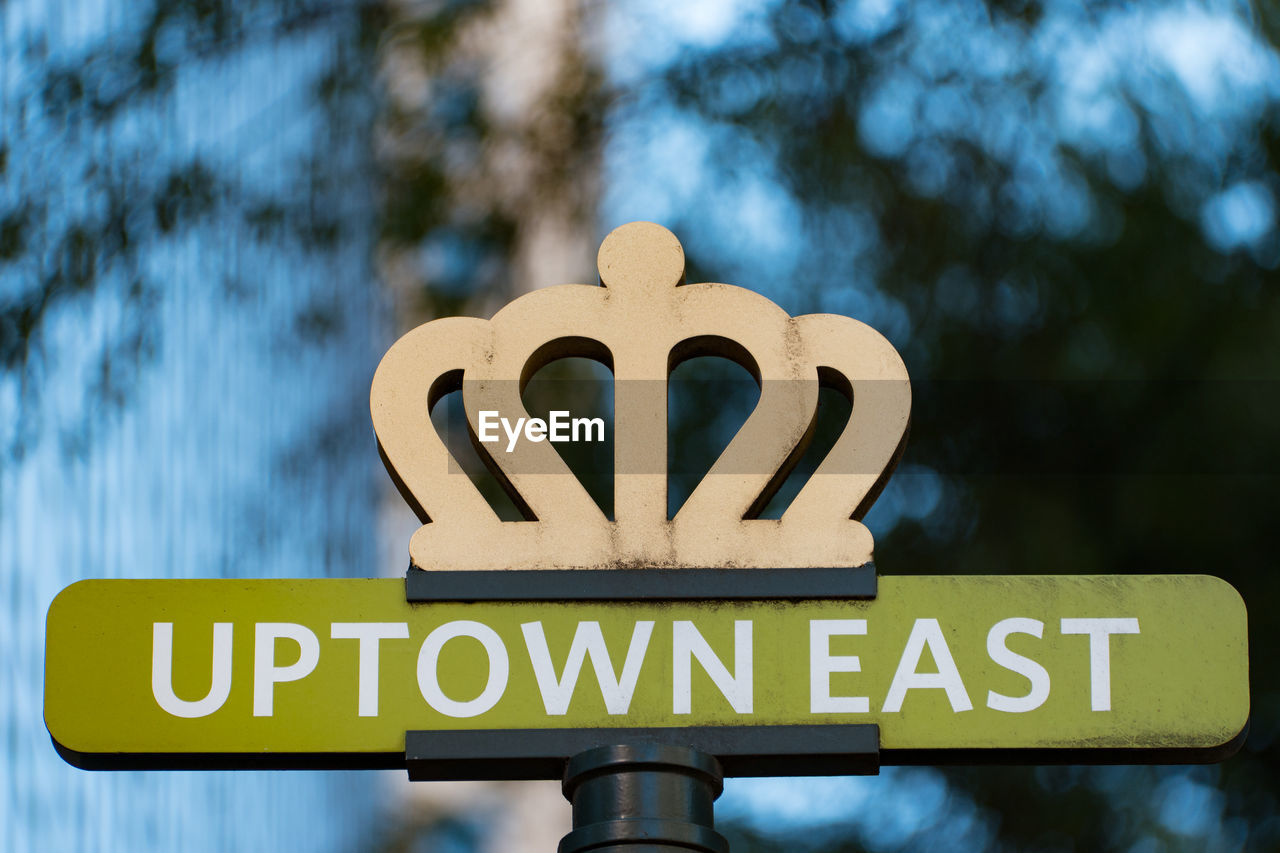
{"x":641,"y":322}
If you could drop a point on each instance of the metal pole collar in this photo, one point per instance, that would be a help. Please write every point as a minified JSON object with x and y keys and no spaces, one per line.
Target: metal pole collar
{"x":643,"y":797}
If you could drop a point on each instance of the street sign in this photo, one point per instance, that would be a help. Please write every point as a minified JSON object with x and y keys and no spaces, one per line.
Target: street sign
{"x":335,"y":672}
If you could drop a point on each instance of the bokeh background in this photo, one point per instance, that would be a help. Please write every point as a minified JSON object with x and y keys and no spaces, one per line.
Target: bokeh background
{"x":215,"y":215}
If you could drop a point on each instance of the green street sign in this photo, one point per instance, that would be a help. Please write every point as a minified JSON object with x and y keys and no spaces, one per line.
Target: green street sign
{"x":174,"y":673}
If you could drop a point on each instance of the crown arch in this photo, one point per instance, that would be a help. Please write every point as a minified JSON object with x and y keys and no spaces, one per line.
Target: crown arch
{"x":857,"y":360}
{"x":588,"y":366}
{"x":716,"y":353}
{"x":415,"y":374}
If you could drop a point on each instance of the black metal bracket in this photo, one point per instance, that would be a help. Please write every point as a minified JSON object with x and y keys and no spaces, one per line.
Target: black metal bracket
{"x":640,"y":584}
{"x":799,"y":750}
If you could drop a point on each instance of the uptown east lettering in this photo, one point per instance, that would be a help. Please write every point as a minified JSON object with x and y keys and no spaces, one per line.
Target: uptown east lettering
{"x":729,"y":668}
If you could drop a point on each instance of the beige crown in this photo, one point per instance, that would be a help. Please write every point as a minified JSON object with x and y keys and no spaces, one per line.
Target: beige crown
{"x":641,"y":323}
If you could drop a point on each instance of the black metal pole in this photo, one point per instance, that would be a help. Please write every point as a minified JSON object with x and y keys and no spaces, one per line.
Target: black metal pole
{"x":643,"y":798}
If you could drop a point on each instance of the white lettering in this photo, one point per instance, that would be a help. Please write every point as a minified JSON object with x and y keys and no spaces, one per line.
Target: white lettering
{"x":488,"y":423}
{"x":369,"y":634}
{"x":687,"y":644}
{"x":588,"y":424}
{"x":162,"y":672}
{"x":559,"y":423}
{"x":266,"y":674}
{"x":429,"y":661}
{"x":1100,"y":631}
{"x":822,"y":664}
{"x":587,"y":640}
{"x":560,"y":428}
{"x":999,"y":652}
{"x":926,"y":632}
{"x":512,"y":434}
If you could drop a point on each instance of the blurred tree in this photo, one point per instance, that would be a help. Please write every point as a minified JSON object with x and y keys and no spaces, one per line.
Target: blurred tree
{"x":98,"y":181}
{"x":490,"y":141}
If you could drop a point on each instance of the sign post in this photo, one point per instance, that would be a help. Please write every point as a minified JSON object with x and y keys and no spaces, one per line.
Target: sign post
{"x":642,"y":659}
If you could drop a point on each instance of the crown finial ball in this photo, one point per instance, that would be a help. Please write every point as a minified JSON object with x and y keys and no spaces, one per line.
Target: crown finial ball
{"x":641,"y":256}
